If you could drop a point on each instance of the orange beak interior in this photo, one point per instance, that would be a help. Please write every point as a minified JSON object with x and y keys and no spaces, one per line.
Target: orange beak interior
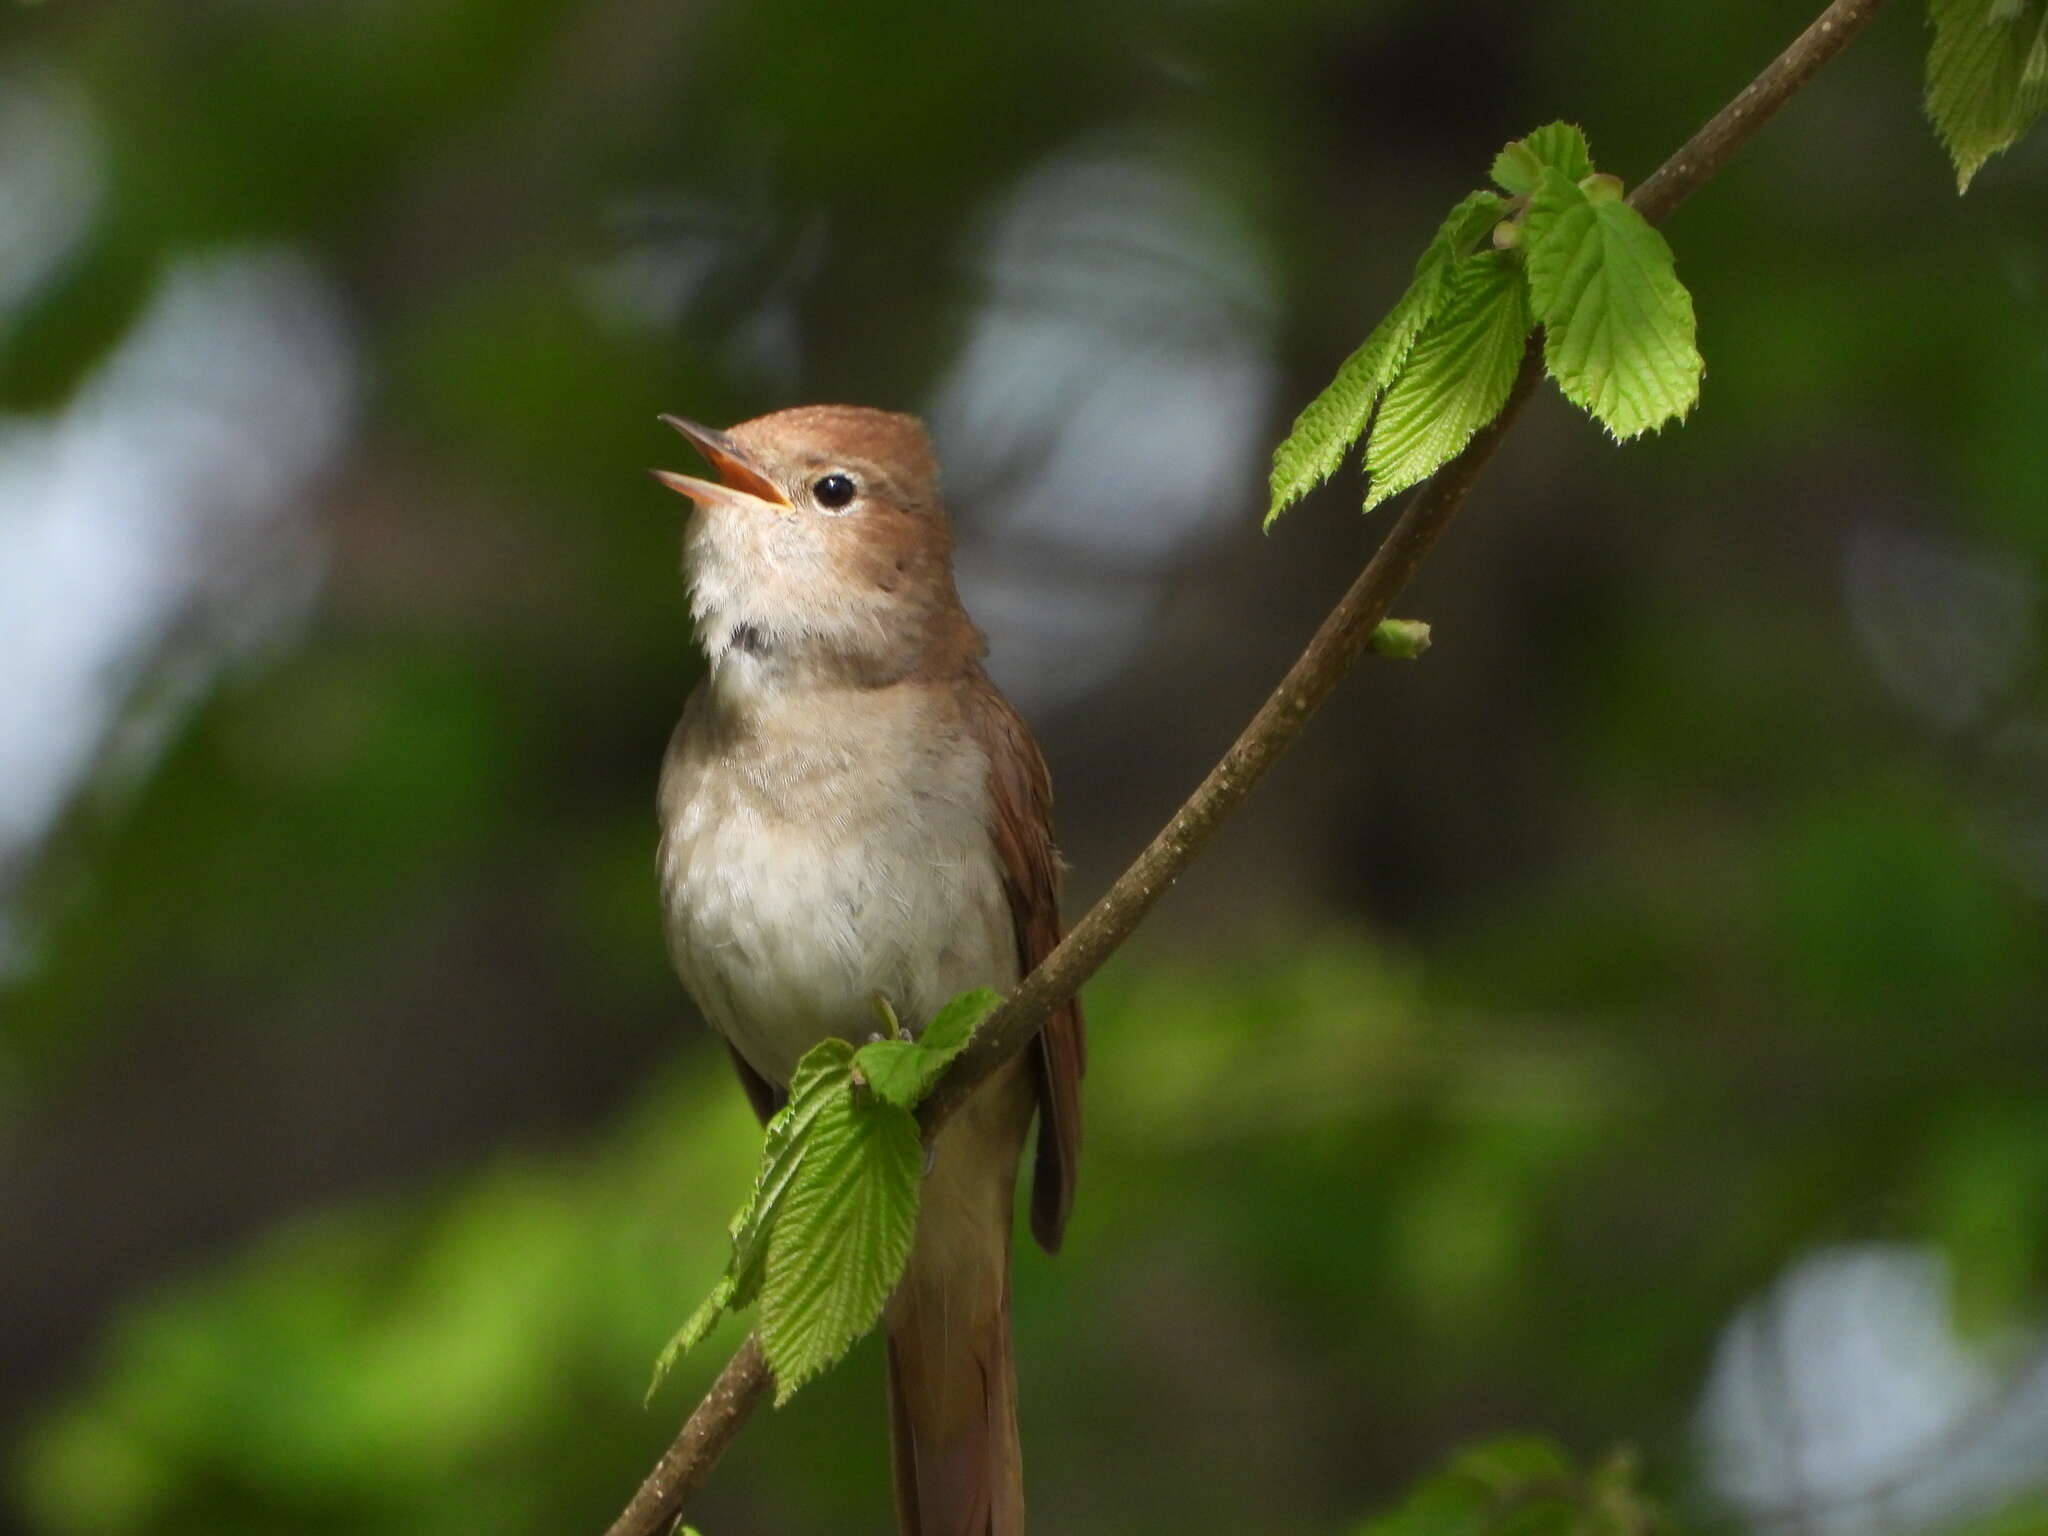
{"x":738,"y":474}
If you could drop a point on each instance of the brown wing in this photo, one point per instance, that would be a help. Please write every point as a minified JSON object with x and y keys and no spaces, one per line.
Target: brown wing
{"x":1020,"y":797}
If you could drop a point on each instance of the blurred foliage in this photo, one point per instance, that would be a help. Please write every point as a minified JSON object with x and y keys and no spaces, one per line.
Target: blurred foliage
{"x":397,"y":1367}
{"x":1565,"y":987}
{"x":1391,"y":1190}
{"x":1525,"y":1487}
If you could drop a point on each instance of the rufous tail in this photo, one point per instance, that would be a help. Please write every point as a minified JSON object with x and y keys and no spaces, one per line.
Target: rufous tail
{"x":952,"y":1381}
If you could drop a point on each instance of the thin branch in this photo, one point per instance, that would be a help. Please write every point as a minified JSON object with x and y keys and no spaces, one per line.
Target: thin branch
{"x":1701,"y":157}
{"x":658,"y":1504}
{"x":1336,"y":646}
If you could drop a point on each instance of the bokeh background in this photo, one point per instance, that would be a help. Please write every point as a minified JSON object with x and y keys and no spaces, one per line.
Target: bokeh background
{"x":1625,"y":1024}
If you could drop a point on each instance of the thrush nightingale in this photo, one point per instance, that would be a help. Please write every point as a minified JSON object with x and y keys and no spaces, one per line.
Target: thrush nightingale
{"x":851,"y":812}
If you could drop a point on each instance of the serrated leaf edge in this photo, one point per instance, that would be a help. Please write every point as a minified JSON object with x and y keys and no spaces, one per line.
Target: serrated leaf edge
{"x":826,"y":1068}
{"x":849,"y":1185}
{"x":1489,"y":353}
{"x":1331,"y":423}
{"x":1557,"y":205}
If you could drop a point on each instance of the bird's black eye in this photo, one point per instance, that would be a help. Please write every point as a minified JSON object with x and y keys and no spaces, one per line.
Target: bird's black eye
{"x":834,"y":491}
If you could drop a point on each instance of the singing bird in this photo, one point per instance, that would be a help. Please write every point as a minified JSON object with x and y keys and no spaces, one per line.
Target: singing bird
{"x":850,"y":811}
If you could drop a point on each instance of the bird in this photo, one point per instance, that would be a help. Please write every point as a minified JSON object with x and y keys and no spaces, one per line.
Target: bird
{"x":853,"y":816}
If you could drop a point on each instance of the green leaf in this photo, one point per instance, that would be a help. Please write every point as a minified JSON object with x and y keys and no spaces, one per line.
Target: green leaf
{"x":1618,"y":332}
{"x":1560,"y":146}
{"x":697,"y":1327}
{"x":1509,"y":1487}
{"x":1457,"y":376}
{"x":1325,"y":430}
{"x":1460,"y":233}
{"x":1523,"y":1486}
{"x":901,"y":1072}
{"x":1987,"y":76}
{"x":1601,"y":188}
{"x":1615,"y":1502}
{"x":950,"y":1029}
{"x":1440,"y":1506}
{"x":842,"y":1237}
{"x":893,"y":1070}
{"x":824,"y":1074}
{"x":821,"y":1079}
{"x":1508,"y":1465}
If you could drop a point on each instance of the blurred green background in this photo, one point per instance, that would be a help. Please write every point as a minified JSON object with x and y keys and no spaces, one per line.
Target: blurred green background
{"x":1624,"y":1024}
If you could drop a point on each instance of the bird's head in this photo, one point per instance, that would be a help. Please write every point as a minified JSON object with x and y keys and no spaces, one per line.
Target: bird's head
{"x":821,"y":551}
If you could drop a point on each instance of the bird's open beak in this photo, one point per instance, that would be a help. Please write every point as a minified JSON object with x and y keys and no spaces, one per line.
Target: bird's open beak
{"x":740,"y":480}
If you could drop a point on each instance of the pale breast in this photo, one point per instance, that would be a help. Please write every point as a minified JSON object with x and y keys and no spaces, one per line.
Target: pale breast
{"x":820,"y":855}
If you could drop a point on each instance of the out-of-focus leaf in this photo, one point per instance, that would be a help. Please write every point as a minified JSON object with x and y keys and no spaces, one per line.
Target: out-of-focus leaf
{"x":1522,"y":1486}
{"x":1987,"y":76}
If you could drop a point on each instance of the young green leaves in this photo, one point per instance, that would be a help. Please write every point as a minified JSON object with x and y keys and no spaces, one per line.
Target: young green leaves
{"x":824,"y":1075}
{"x":1556,"y":147}
{"x":1336,"y":418}
{"x":1617,"y":322}
{"x":827,"y":1228}
{"x":901,"y":1071}
{"x":1563,"y":251}
{"x":1456,"y":377}
{"x":1987,"y":76}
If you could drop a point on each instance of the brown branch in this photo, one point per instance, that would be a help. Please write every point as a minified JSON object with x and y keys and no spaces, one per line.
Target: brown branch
{"x":658,"y":1504}
{"x":1336,"y":645}
{"x":1700,"y":158}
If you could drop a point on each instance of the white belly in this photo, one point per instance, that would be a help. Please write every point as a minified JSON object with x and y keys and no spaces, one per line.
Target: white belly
{"x":798,"y":888}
